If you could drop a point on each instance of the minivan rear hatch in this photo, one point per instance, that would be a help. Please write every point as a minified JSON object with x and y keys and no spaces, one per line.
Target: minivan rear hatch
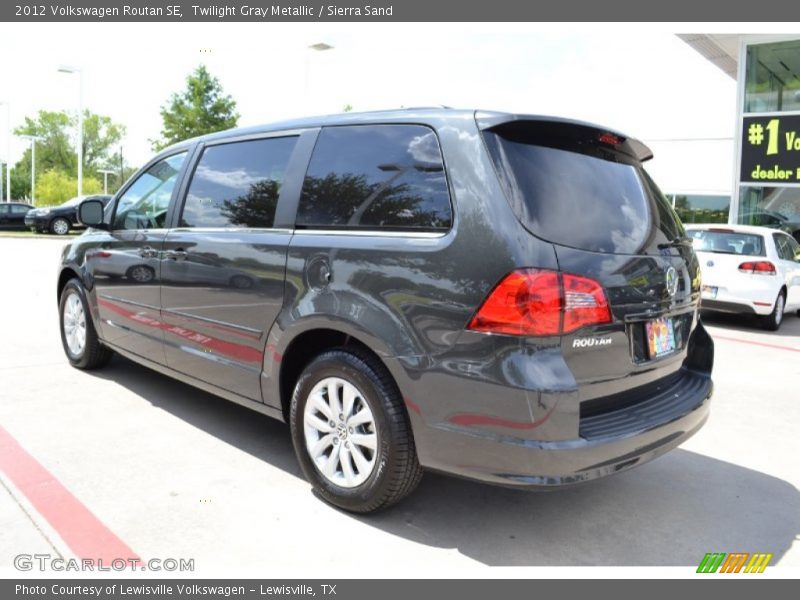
{"x":583,"y":189}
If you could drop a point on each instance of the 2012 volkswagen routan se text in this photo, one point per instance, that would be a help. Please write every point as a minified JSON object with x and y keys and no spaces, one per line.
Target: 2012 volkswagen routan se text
{"x":507,"y":298}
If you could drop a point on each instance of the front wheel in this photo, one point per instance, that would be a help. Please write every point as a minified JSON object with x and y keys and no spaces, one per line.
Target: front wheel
{"x":60,"y":226}
{"x":78,"y":336}
{"x":351,"y":432}
{"x":772,"y":322}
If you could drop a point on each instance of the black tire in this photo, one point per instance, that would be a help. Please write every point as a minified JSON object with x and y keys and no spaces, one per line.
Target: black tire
{"x":59,"y":226}
{"x":241,"y":282}
{"x":140,"y":274}
{"x":94,"y":354}
{"x":772,"y":322}
{"x":396,"y":472}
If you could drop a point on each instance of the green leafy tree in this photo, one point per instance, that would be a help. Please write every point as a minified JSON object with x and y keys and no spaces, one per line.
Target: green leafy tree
{"x":55,"y":148}
{"x":201,"y":108}
{"x":55,"y":187}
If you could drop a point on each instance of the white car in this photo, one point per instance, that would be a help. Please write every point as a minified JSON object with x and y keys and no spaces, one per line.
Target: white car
{"x":748,"y":269}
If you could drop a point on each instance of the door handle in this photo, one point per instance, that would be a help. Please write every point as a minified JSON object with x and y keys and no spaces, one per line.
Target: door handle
{"x":148,"y":252}
{"x":178,"y":254}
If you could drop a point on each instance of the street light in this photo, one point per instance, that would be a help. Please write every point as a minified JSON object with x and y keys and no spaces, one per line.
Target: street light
{"x":106,"y":173}
{"x":79,"y":72}
{"x":8,"y":154}
{"x":33,"y":139}
{"x":317,"y":47}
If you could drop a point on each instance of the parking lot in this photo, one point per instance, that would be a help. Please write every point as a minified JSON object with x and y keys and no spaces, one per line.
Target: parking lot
{"x":168,"y":471}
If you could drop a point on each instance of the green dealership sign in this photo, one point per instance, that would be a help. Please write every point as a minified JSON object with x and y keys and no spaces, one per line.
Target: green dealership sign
{"x":771,"y":149}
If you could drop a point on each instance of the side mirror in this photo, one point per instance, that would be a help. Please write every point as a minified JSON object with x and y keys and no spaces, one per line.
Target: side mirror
{"x":90,"y":213}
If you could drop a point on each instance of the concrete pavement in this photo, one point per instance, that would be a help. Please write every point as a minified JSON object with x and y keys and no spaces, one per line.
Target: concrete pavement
{"x":177,"y":473}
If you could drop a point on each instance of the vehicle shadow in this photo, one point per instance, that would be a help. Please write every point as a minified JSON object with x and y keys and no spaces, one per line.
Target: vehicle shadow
{"x":669,"y":512}
{"x":750,"y":324}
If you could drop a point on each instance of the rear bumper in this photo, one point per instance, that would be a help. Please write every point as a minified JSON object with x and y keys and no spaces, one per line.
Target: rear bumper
{"x":748,"y":294}
{"x":608,"y":444}
{"x":546,"y":439}
{"x":728,"y":307}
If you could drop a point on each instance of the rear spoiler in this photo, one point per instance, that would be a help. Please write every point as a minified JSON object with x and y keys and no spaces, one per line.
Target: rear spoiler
{"x":577,"y":131}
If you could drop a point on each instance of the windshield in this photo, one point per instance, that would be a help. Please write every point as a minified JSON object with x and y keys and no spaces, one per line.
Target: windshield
{"x":581,"y":193}
{"x":727,"y":242}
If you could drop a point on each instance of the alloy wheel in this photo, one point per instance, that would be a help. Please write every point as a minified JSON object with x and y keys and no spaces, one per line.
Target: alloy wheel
{"x":74,"y":325}
{"x":340,"y":433}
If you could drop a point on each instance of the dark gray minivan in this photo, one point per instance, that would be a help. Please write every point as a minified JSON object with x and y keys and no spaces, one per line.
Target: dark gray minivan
{"x":502,"y":297}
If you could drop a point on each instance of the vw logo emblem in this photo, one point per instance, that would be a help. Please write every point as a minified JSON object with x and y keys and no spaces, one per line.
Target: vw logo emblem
{"x":671,"y":281}
{"x":710,"y":263}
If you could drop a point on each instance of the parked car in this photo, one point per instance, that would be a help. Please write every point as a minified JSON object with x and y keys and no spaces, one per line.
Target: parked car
{"x":773,"y":220}
{"x":748,"y":270}
{"x":59,"y":219}
{"x":507,"y":298}
{"x":12,"y":215}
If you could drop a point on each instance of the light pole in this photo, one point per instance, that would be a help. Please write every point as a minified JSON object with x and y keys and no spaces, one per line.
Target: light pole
{"x":79,"y":72}
{"x":318,"y":47}
{"x":8,"y":153}
{"x":33,"y":139}
{"x":106,"y":173}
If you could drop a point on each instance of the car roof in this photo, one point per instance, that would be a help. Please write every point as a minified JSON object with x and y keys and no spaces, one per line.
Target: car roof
{"x":484,"y":118}
{"x":735,"y":228}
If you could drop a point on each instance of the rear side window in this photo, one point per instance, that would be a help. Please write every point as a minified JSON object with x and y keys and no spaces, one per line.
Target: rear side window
{"x":237,"y":184}
{"x":19,"y":209}
{"x":727,"y":242}
{"x":385,"y":177}
{"x":786,"y":246}
{"x":568,"y":187}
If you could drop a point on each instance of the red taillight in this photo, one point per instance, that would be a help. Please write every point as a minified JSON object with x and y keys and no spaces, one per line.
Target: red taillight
{"x":760,"y":267}
{"x":609,"y":138}
{"x":537,"y":302}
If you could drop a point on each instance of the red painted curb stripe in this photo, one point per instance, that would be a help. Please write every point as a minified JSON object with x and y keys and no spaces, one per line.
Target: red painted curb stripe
{"x":84,"y":533}
{"x":764,"y":344}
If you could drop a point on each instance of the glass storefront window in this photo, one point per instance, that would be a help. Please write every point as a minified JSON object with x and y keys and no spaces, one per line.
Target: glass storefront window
{"x":775,"y":207}
{"x":772,"y":80}
{"x":701,"y":208}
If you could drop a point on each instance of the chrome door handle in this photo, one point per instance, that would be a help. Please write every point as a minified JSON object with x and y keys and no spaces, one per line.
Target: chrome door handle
{"x":176,"y":254}
{"x":148,"y":252}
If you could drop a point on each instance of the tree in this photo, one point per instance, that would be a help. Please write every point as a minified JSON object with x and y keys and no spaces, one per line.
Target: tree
{"x":55,"y":150}
{"x":201,"y":108}
{"x":55,"y":187}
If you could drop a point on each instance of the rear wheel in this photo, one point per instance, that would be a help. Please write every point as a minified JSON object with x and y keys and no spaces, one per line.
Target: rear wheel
{"x":772,"y":322}
{"x":78,"y":336}
{"x":59,"y":226}
{"x":351,"y":432}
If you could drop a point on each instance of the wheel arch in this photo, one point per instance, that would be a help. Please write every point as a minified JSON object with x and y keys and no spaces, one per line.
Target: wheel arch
{"x":306,"y":345}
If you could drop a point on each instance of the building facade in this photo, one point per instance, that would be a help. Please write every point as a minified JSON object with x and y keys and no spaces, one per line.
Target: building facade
{"x":766,"y":186}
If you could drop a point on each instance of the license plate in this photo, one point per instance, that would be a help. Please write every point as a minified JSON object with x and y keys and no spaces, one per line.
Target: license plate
{"x":660,"y":337}
{"x":709,"y":291}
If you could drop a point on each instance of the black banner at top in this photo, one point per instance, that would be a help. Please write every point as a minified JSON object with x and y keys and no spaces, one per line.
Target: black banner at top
{"x":784,"y":11}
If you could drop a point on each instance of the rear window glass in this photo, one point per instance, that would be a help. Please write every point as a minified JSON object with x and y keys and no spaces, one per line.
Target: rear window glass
{"x":724,"y":242}
{"x":577,"y":193}
{"x":381,"y":177}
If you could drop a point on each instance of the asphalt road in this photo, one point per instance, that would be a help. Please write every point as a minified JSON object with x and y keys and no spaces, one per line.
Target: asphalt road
{"x":173,"y":472}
